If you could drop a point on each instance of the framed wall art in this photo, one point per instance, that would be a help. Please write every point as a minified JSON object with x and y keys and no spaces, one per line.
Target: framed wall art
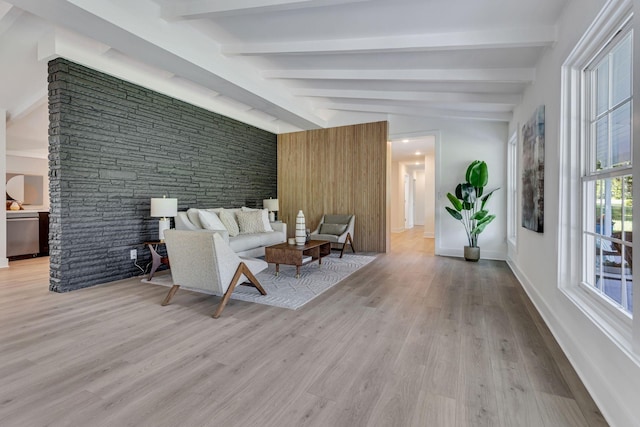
{"x":533,"y":172}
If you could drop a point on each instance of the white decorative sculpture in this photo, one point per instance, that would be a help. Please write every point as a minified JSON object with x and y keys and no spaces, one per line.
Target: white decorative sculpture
{"x":301,"y":232}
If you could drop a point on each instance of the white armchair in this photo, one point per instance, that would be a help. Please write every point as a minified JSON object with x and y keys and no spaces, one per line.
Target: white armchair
{"x":336,"y":229}
{"x":204,"y":262}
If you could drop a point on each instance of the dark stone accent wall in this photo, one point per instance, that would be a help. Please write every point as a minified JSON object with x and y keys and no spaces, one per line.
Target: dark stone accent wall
{"x":113,"y":146}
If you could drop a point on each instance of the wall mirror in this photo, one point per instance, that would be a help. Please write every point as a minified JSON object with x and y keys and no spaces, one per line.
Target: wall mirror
{"x":26,"y":189}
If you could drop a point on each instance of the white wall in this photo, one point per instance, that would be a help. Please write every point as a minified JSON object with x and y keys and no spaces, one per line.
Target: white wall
{"x":4,"y":262}
{"x":610,"y":375}
{"x":419,"y":201}
{"x":32,"y":166}
{"x":398,"y":171}
{"x":430,"y":196}
{"x":458,"y":143}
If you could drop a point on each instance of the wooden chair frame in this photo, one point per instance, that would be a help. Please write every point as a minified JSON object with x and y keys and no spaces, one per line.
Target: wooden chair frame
{"x":242,"y":269}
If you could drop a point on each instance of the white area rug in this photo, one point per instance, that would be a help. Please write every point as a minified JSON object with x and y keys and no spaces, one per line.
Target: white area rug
{"x":285,"y":290}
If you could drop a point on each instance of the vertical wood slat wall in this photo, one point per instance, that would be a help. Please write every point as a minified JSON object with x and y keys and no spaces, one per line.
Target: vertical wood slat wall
{"x":336,"y":170}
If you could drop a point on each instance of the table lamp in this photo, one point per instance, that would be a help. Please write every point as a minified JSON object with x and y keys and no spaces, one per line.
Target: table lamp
{"x":164,"y":208}
{"x":272,"y":206}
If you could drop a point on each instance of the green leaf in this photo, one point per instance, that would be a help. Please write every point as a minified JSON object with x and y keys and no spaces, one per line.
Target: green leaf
{"x":486,"y":197}
{"x":459,"y":191}
{"x":482,"y":224}
{"x":470,"y":168}
{"x":457,"y":204}
{"x":468,"y":193}
{"x":478,"y":174}
{"x":479,"y":215}
{"x":454,"y":213}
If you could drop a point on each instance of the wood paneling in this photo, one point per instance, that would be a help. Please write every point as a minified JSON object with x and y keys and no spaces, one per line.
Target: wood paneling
{"x":337,"y":170}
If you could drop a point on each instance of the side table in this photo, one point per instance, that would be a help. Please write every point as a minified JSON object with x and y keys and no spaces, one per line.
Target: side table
{"x":157,"y":260}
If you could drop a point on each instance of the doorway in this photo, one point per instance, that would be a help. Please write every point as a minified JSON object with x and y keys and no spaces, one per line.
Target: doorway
{"x":413,"y":185}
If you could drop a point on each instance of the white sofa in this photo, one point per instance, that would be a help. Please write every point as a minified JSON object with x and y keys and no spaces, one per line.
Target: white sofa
{"x":244,"y":244}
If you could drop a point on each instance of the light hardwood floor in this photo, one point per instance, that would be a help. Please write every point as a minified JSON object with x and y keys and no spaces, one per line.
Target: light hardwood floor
{"x":409,"y":340}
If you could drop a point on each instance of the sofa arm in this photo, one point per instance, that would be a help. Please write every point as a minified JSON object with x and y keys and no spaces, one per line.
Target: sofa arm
{"x":281,"y":227}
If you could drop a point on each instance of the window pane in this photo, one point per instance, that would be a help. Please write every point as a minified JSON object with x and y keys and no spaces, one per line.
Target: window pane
{"x":602,"y":143}
{"x":596,"y":281}
{"x":608,"y":208}
{"x":621,"y":72}
{"x":602,"y":87}
{"x":621,"y":136}
{"x":628,"y":282}
{"x":627,"y":207}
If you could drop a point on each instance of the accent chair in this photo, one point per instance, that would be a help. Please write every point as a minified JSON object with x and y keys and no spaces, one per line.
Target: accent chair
{"x":336,"y":229}
{"x":204,"y":262}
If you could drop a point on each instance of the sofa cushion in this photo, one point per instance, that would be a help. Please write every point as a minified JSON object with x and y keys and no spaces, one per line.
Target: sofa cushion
{"x":328,"y":237}
{"x":193,"y":215}
{"x":229,"y":223}
{"x":210,"y":221}
{"x":337,"y":219}
{"x":243,"y":242}
{"x":265,"y":217}
{"x":250,"y":222}
{"x":335,"y":229}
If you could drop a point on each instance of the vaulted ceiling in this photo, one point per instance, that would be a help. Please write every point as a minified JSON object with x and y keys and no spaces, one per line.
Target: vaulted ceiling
{"x":286,"y":65}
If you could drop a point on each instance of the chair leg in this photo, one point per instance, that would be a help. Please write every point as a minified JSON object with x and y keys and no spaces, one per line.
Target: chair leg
{"x":254,"y":281}
{"x":170,"y":295}
{"x":242,"y":269}
{"x":344,"y":245}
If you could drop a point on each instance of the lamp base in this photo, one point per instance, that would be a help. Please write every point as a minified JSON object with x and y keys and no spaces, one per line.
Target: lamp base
{"x":163,"y":224}
{"x":272,"y":216}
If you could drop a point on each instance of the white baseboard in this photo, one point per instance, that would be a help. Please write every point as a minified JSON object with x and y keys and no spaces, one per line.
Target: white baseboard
{"x":429,"y":234}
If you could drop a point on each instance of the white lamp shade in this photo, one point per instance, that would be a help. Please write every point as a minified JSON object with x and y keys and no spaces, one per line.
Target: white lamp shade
{"x":271,"y":205}
{"x":162,"y":208}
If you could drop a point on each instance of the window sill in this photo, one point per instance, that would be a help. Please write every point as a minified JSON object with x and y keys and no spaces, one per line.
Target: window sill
{"x":615,"y":324}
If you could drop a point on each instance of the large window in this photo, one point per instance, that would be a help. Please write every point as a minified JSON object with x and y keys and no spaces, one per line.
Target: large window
{"x":596,"y":215}
{"x":607,"y":179}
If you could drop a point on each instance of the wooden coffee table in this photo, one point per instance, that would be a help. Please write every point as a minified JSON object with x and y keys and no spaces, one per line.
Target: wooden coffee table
{"x":284,"y":253}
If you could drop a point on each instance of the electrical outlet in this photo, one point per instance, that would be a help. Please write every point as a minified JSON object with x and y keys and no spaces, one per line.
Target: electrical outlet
{"x":133,"y":254}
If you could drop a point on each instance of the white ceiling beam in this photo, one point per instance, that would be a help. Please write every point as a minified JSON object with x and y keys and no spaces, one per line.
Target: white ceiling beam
{"x":8,"y":15}
{"x":490,"y":39}
{"x":419,"y":112}
{"x":202,"y":9}
{"x":439,"y":97}
{"x":503,"y":75}
{"x":31,"y":103}
{"x":179,"y":50}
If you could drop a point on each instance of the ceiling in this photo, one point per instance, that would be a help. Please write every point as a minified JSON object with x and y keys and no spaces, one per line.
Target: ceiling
{"x":287,"y":65}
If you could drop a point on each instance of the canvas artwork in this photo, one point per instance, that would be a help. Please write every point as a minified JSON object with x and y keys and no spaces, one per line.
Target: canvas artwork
{"x":533,"y":172}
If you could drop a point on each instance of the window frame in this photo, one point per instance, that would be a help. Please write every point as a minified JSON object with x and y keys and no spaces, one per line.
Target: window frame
{"x":590,"y":175}
{"x":617,"y":325}
{"x":512,"y":191}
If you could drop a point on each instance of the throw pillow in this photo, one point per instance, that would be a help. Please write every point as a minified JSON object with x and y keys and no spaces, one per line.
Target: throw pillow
{"x":210,"y":221}
{"x":265,"y":217}
{"x":250,"y":222}
{"x":335,"y":229}
{"x":229,"y":223}
{"x":192,"y":214}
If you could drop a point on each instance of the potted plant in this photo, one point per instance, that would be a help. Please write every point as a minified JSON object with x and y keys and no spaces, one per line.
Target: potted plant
{"x":469,"y":206}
